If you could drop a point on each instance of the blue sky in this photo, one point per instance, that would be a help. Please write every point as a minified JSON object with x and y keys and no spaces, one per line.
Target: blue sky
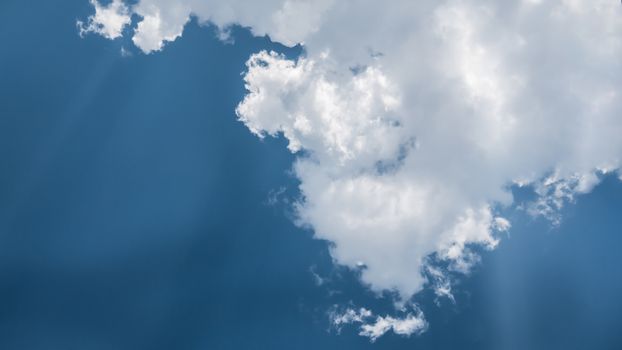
{"x":138,"y":212}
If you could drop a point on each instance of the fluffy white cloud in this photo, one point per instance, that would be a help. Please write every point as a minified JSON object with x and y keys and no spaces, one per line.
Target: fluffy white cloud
{"x":417,"y":116}
{"x":108,"y":21}
{"x":164,"y":20}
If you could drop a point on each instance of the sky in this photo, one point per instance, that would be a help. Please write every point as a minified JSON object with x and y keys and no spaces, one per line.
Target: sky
{"x":200,"y":174}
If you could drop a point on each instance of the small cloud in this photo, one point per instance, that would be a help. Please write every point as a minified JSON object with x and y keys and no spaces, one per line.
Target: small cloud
{"x":555,"y":191}
{"x":406,"y":326}
{"x":275,"y":196}
{"x":108,"y":20}
{"x":501,"y":224}
{"x":126,"y":53}
{"x":375,"y":327}
{"x":319,"y":280}
{"x":441,"y":283}
{"x":224,"y":34}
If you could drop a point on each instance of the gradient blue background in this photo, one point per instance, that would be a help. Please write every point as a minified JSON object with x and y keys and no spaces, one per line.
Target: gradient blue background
{"x":135,"y":213}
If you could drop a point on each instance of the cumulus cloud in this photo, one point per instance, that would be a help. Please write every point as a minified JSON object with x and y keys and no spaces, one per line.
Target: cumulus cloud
{"x":417,"y":117}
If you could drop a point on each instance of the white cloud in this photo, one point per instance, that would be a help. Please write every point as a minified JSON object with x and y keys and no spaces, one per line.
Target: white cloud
{"x":164,"y":20}
{"x":555,"y":191}
{"x":417,"y":116}
{"x":108,"y":21}
{"x":407,"y":326}
{"x":375,"y":327}
{"x":441,"y":283}
{"x":349,"y":316}
{"x":160,"y":23}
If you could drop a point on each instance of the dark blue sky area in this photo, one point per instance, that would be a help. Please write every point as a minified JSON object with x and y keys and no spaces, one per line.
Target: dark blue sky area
{"x":135,"y":214}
